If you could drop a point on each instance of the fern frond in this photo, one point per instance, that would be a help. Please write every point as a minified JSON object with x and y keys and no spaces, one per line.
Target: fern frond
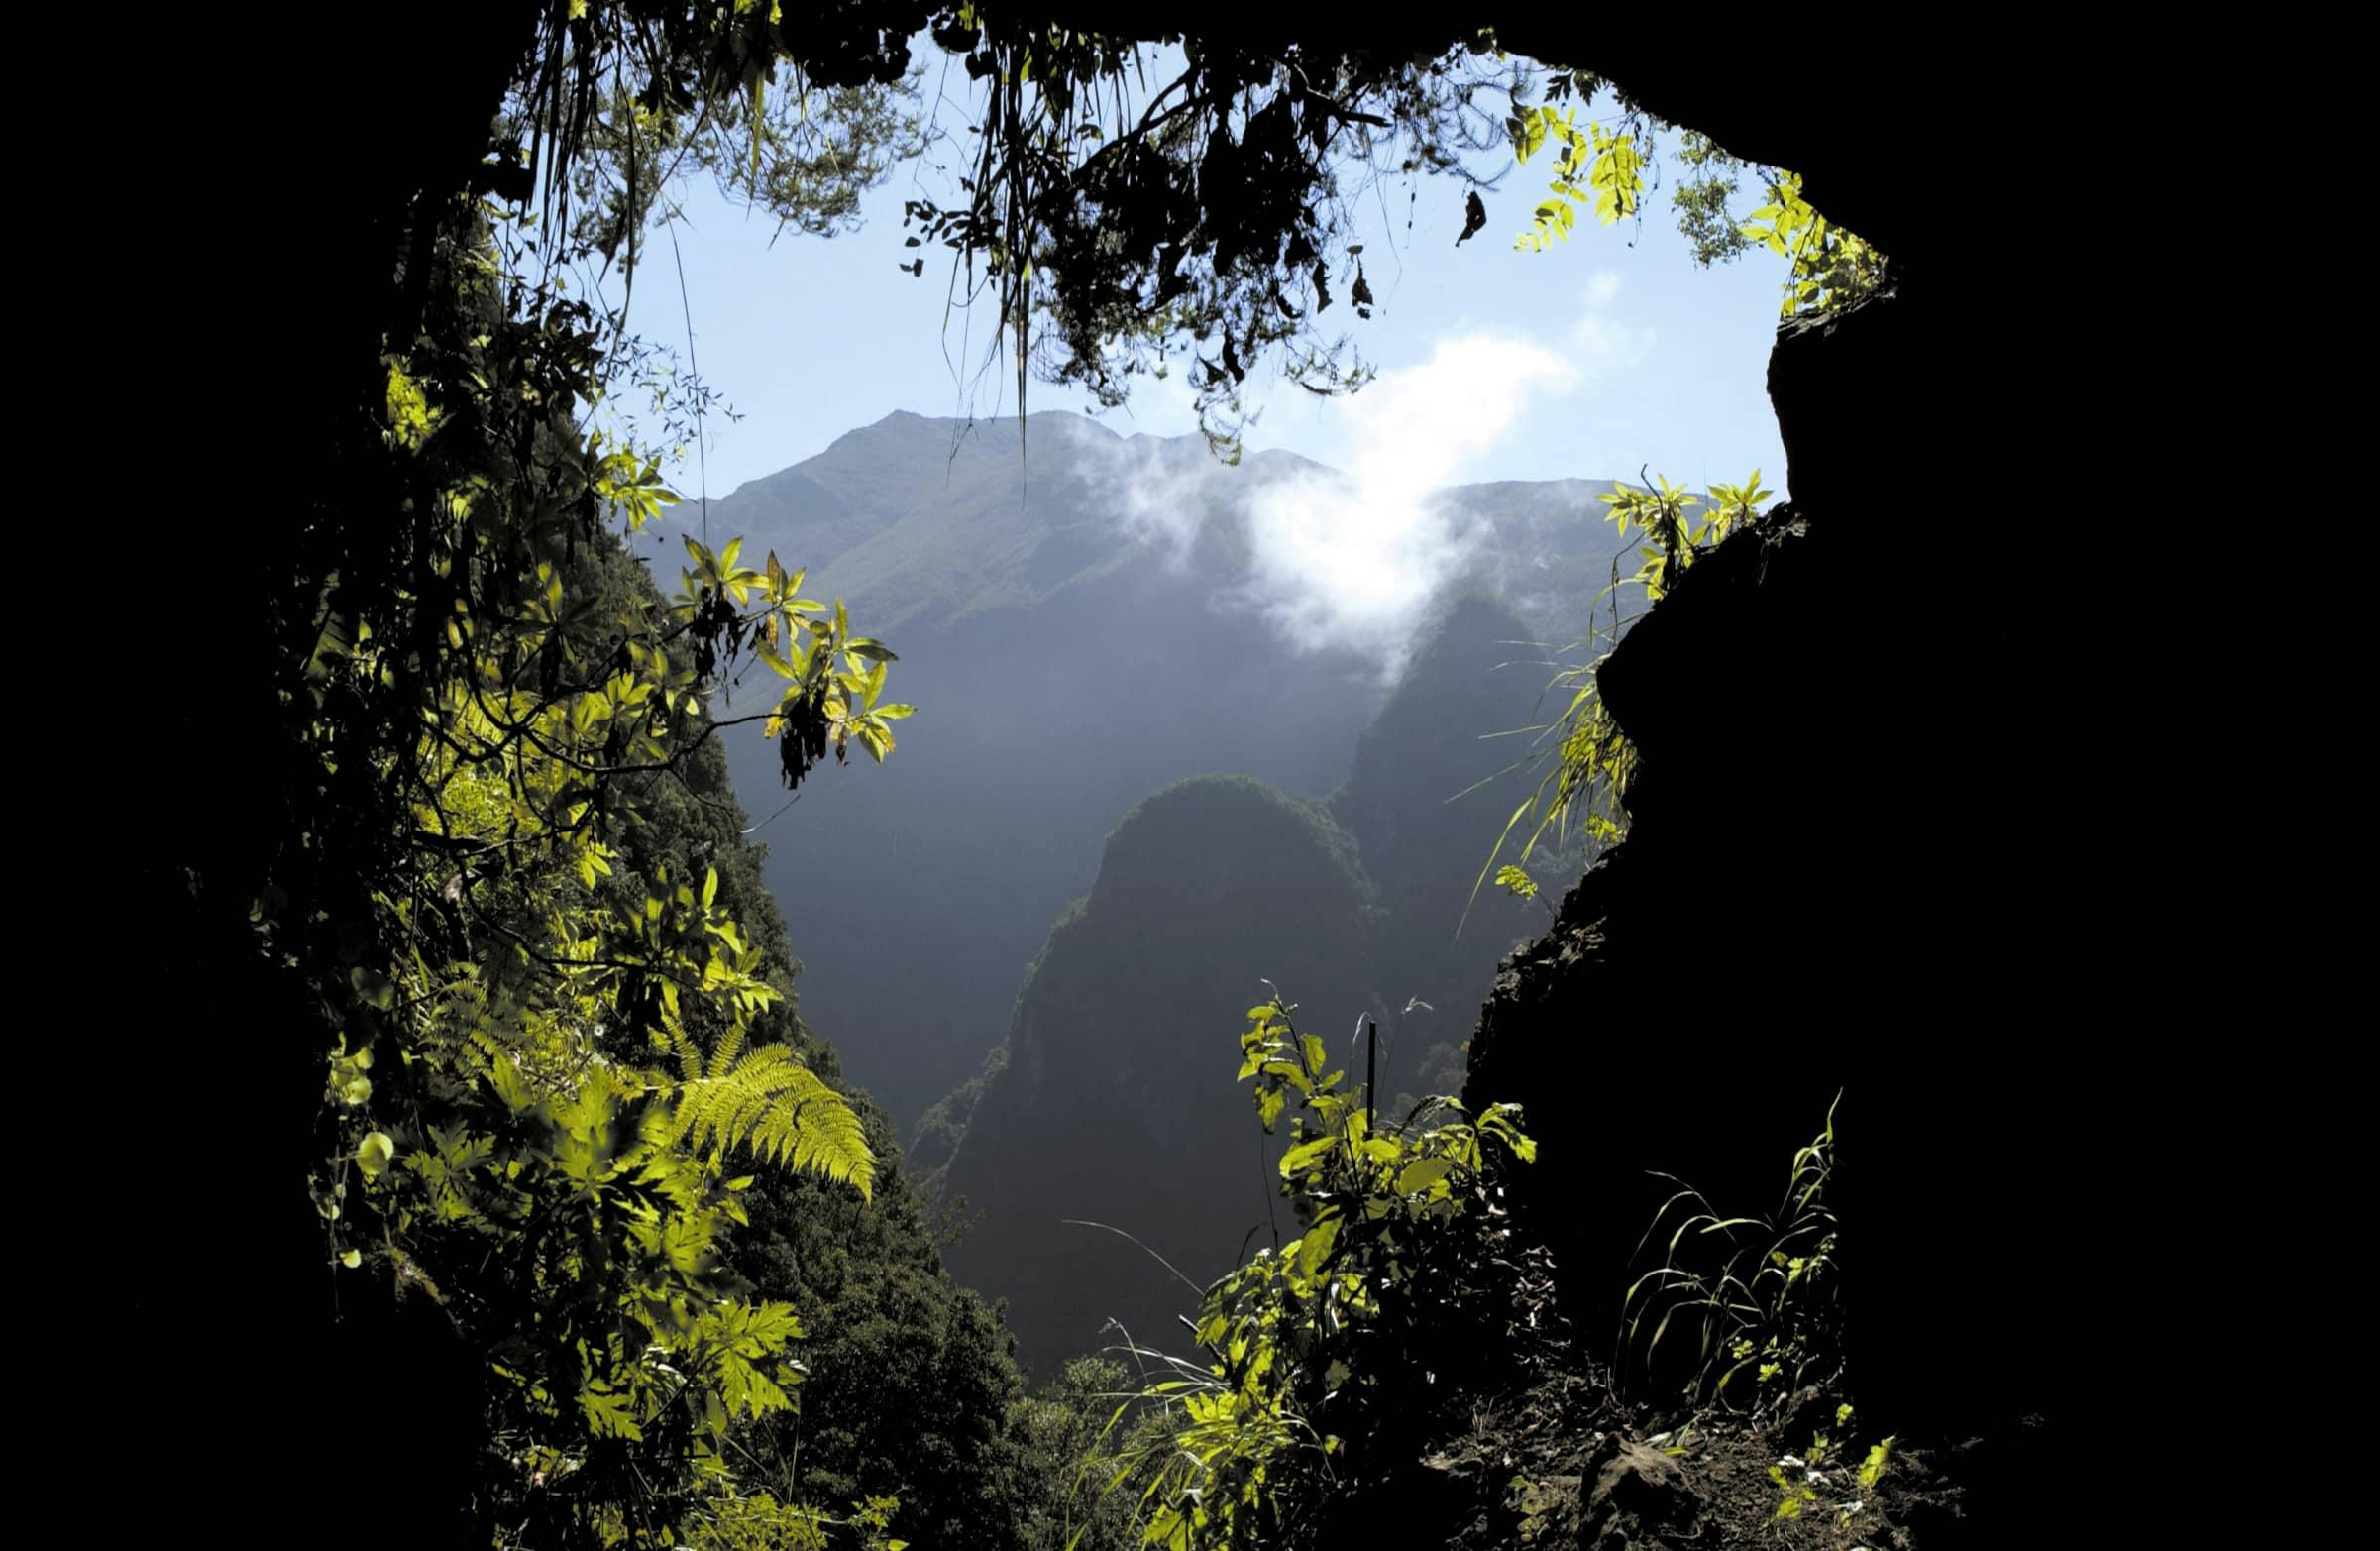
{"x":672,"y":1036}
{"x":730,"y":1047}
{"x":463,"y":999}
{"x":772,"y":1105}
{"x":485,"y":1045}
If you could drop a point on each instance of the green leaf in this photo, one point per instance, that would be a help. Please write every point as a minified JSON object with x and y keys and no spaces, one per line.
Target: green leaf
{"x":1315,"y":1246}
{"x":609,"y":1415}
{"x":1419,"y":1176}
{"x":374,"y":1154}
{"x":1291,"y":1073}
{"x":372,"y":988}
{"x":505,"y":1075}
{"x":1298,"y":1158}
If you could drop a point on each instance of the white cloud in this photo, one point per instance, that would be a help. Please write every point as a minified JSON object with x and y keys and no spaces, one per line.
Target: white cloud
{"x":1605,"y":345}
{"x":1354,"y":559}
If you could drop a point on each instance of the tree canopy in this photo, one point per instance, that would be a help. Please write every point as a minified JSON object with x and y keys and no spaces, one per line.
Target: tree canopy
{"x":1164,"y":194}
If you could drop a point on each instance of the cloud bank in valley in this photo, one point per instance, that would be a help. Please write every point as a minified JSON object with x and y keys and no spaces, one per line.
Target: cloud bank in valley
{"x":1351,"y":558}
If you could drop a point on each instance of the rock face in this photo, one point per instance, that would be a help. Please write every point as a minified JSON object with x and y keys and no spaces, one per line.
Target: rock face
{"x":1641,"y":1496}
{"x":1428,"y":789}
{"x":1114,"y":1097}
{"x":1820,"y":888}
{"x":1117,"y":1103}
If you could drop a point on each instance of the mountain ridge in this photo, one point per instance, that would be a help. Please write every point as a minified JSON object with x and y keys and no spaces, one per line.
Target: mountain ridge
{"x":1113,"y":1098}
{"x":1077,"y":630}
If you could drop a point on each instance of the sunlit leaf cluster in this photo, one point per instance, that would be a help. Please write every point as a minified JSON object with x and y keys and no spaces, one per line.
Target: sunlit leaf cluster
{"x":1302,"y":1344}
{"x":1593,"y":168}
{"x":1592,"y":760}
{"x":1664,"y":513}
{"x":1611,"y":171}
{"x":538,"y":1048}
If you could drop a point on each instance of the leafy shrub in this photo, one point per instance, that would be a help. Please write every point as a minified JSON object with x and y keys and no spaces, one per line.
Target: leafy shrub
{"x":1319,"y":1351}
{"x":1833,"y":269}
{"x":760,"y":1522}
{"x":1086,"y":1445}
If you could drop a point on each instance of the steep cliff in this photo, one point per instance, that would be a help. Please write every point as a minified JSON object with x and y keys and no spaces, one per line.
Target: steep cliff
{"x":1116,"y":1102}
{"x":1126,"y":1020}
{"x":1434,"y":777}
{"x":1819,"y":890}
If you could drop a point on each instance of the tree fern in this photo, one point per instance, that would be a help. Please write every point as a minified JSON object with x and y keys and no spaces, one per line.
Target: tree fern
{"x":764,"y":1099}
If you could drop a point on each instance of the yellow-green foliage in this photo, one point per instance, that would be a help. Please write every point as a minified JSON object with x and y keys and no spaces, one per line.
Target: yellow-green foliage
{"x":1831,"y":269}
{"x":761,"y":1523}
{"x":1386,"y":1211}
{"x":1611,"y":165}
{"x":1756,"y":1295}
{"x":765,"y":1100}
{"x":1797,"y":1493}
{"x":1663,"y":514}
{"x":536,"y":1059}
{"x":1595,"y":761}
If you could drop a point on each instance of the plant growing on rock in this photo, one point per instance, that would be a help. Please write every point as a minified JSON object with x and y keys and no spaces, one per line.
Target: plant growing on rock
{"x":1313,"y":1350}
{"x":1593,"y":759}
{"x":1757,"y":1296}
{"x":1607,"y":169}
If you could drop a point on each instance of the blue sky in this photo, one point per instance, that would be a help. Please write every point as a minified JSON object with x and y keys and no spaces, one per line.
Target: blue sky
{"x":1609,"y":352}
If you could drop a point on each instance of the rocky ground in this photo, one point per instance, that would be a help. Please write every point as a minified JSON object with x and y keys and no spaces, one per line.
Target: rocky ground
{"x":1569,"y":1466}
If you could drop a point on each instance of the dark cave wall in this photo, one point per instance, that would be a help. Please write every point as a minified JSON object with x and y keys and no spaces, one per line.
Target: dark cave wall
{"x":1837,"y":875}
